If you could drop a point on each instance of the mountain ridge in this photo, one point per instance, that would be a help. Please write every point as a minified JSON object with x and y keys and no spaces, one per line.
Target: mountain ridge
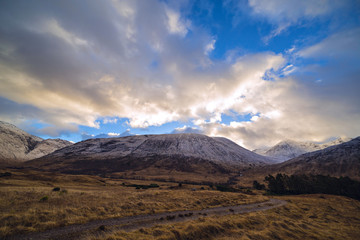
{"x":183,"y":152}
{"x":17,"y":145}
{"x":288,"y":149}
{"x":338,"y":160}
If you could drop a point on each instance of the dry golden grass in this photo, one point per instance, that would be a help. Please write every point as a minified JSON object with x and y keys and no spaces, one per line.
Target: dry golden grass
{"x":173,"y":175}
{"x":304,"y":217}
{"x":88,"y":198}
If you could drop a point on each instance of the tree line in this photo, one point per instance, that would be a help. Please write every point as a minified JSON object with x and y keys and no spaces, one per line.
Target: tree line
{"x":308,"y":184}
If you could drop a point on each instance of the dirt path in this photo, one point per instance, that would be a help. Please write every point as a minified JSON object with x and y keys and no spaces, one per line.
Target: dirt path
{"x":143,"y":221}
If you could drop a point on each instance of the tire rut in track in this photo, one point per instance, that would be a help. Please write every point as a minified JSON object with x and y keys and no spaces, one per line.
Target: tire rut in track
{"x":143,"y":221}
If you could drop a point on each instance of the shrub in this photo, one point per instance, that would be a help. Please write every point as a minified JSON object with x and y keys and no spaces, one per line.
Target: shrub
{"x":64,"y":191}
{"x":258,"y":186}
{"x":139,"y":186}
{"x":102,"y":228}
{"x":44,"y":199}
{"x":222,"y":188}
{"x":170,"y":217}
{"x":5,"y":174}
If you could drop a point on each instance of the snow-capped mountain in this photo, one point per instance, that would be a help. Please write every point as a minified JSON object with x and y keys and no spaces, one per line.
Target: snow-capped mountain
{"x":177,"y":151}
{"x":288,"y":149}
{"x":17,"y":145}
{"x":338,"y":160}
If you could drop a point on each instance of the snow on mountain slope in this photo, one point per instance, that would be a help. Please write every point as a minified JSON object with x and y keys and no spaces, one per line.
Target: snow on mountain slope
{"x":17,"y":145}
{"x":337,"y":160}
{"x":163,"y":151}
{"x":288,"y":149}
{"x":47,"y":146}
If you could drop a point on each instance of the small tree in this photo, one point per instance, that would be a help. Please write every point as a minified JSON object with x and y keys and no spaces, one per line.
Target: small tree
{"x":258,"y":186}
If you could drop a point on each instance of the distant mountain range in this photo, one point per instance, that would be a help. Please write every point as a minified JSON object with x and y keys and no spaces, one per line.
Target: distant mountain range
{"x":182,"y":152}
{"x":17,"y":145}
{"x":289,"y":149}
{"x":175,"y":153}
{"x":338,"y":160}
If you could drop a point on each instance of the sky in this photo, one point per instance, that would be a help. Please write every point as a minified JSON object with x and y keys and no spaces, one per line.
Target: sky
{"x":254,"y":71}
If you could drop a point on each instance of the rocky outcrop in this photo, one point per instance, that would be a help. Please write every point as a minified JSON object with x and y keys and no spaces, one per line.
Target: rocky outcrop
{"x":17,"y":145}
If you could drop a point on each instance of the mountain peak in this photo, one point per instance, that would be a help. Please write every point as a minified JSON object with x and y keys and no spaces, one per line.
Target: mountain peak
{"x":288,"y":148}
{"x":337,"y":160}
{"x":18,"y":145}
{"x":187,"y":152}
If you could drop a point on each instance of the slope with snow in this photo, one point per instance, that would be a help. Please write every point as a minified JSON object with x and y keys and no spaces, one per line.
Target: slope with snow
{"x":338,"y":160}
{"x":17,"y":145}
{"x":288,"y":149}
{"x":184,"y":152}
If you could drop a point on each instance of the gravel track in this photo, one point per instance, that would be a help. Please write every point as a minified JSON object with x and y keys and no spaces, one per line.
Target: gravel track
{"x":131,"y":223}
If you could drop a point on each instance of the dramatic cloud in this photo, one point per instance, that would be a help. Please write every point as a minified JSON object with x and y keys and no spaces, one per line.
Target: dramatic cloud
{"x":68,"y":65}
{"x":304,"y":110}
{"x":121,"y":67}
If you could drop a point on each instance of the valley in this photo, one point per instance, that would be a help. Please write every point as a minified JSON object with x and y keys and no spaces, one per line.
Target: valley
{"x":180,"y":120}
{"x":30,"y":202}
{"x":171,"y":186}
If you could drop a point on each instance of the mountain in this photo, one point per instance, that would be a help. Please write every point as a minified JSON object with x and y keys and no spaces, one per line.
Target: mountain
{"x":288,"y":149}
{"x":17,"y":145}
{"x":338,"y":160}
{"x":178,"y":152}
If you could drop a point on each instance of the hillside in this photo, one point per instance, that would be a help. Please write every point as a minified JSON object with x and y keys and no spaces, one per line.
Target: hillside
{"x":17,"y":145}
{"x":289,"y":149}
{"x":338,"y":160}
{"x":193,"y":153}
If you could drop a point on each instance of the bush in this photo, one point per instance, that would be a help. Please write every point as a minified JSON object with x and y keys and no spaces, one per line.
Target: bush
{"x":44,"y":199}
{"x":5,"y":174}
{"x":139,"y":186}
{"x":64,"y":191}
{"x":258,"y":186}
{"x":102,"y":228}
{"x":222,"y":188}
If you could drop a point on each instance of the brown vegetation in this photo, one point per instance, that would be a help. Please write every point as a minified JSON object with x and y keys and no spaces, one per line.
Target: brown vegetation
{"x":304,"y":217}
{"x":28,"y":201}
{"x":34,"y":201}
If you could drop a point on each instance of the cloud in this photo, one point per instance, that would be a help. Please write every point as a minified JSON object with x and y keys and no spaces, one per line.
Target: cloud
{"x":298,"y":106}
{"x":175,"y":25}
{"x":343,"y":45}
{"x":85,"y":136}
{"x":186,"y":129}
{"x":25,"y":116}
{"x":210,"y":47}
{"x":110,"y":120}
{"x":284,"y":13}
{"x":288,"y":109}
{"x":145,"y":61}
{"x":97,"y":63}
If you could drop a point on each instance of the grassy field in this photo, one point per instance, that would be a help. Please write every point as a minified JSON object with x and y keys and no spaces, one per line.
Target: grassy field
{"x":304,"y":217}
{"x":28,"y":202}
